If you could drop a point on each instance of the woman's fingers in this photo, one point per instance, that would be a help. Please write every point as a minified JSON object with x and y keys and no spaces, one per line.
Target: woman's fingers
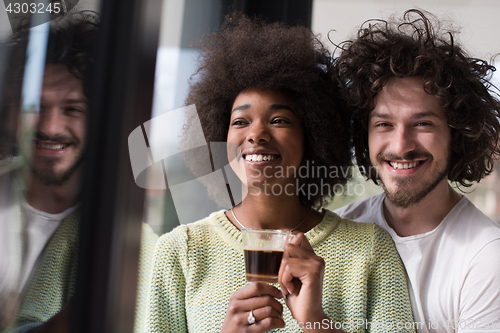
{"x":300,"y":250}
{"x":266,"y":302}
{"x":265,"y":312}
{"x":256,"y":289}
{"x":307,"y":271}
{"x":298,"y":247}
{"x":266,"y":324}
{"x":254,"y":308}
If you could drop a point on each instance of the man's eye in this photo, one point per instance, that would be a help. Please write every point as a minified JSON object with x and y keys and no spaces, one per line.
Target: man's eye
{"x":74,"y":112}
{"x":382,"y":125}
{"x":423,"y":123}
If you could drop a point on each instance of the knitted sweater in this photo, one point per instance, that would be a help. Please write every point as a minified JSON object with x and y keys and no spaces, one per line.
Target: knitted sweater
{"x":197,"y":267}
{"x":53,"y":283}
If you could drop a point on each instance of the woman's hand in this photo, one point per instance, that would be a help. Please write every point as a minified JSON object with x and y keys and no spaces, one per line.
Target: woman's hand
{"x":301,"y":280}
{"x":260,"y":298}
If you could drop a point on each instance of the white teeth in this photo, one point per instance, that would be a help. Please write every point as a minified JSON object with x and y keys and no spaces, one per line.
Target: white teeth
{"x":52,"y":146}
{"x":259,"y":158}
{"x":397,"y":165}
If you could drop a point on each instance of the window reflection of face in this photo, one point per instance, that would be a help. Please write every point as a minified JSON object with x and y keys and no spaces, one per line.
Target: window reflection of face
{"x":60,"y":127}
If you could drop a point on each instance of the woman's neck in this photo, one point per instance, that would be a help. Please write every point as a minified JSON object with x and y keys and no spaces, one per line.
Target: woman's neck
{"x":274,"y":212}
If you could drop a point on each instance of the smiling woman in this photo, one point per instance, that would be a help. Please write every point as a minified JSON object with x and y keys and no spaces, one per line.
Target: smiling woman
{"x":270,"y":136}
{"x":267,"y":89}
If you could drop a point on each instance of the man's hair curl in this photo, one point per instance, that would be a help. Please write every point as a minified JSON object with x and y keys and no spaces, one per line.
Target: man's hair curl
{"x":417,"y":47}
{"x":249,"y":53}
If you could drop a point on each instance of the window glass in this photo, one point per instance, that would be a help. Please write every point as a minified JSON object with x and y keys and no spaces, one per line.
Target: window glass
{"x":46,"y":60}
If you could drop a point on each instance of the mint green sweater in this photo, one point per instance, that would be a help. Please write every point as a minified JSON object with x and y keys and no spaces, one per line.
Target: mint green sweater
{"x":197,"y":267}
{"x":53,"y":282}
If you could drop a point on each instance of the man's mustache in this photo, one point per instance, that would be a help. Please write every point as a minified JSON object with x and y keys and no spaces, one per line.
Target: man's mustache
{"x":60,"y":138}
{"x":412,"y":155}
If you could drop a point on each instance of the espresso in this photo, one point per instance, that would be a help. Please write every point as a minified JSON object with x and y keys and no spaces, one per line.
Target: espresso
{"x":262,"y":266}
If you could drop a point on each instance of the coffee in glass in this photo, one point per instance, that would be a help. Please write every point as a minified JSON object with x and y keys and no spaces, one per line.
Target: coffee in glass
{"x":263,"y":249}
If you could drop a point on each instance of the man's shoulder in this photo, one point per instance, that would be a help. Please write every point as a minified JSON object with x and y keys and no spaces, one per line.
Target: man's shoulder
{"x":366,"y":210}
{"x":470,"y":220}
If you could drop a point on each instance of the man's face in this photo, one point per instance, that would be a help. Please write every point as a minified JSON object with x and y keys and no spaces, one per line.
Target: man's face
{"x":409,"y":141}
{"x":60,"y":127}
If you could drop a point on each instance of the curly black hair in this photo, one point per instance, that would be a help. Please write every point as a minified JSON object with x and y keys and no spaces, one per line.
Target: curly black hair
{"x":418,"y":47}
{"x":71,"y":42}
{"x":249,"y":53}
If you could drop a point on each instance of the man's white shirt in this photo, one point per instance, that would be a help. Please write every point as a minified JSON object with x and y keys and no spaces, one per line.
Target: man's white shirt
{"x":24,"y":233}
{"x":453,"y":271}
{"x":39,"y":228}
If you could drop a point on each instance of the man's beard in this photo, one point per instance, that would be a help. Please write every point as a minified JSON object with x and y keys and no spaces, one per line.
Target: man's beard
{"x":47,"y":174}
{"x":403,"y":197}
{"x":44,"y":167}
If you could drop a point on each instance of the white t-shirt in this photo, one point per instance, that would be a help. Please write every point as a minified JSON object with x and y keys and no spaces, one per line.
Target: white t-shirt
{"x":40,"y":226}
{"x":24,"y":232}
{"x":453,"y":270}
{"x":10,"y":237}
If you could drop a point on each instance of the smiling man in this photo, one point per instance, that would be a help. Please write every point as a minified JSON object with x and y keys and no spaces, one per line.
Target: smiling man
{"x":48,"y":205}
{"x":49,"y":196}
{"x":424,"y":116}
{"x":42,"y":199}
{"x":61,"y":126}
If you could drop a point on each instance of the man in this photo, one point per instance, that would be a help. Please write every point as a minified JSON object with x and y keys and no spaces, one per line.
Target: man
{"x":50,"y":206}
{"x":424,"y":116}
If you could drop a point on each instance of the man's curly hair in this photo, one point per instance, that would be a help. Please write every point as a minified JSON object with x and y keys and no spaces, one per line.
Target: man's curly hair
{"x":415,"y":47}
{"x":71,"y":42}
{"x":249,"y":53}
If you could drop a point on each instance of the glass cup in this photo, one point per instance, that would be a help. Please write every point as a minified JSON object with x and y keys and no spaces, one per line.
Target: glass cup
{"x":263,"y":250}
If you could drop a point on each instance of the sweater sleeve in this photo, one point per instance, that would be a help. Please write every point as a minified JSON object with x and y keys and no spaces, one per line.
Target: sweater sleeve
{"x":148,"y":241}
{"x":53,"y":282}
{"x":166,"y":298}
{"x":389,"y":308}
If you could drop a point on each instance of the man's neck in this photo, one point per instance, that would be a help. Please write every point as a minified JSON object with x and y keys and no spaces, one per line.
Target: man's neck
{"x":54,"y":199}
{"x":423,"y":216}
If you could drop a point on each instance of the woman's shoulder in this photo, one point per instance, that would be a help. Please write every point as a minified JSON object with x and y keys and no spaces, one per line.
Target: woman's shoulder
{"x":199,"y":229}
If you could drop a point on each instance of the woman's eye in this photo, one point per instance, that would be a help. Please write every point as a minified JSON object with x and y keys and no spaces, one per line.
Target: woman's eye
{"x":280,"y":121}
{"x":238,"y":122}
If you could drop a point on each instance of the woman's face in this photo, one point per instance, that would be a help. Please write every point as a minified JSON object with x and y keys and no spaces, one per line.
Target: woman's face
{"x":270,"y":136}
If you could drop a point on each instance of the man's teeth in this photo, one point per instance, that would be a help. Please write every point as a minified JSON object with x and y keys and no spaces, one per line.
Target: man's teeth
{"x":397,"y":165}
{"x":260,"y":158}
{"x":52,"y":146}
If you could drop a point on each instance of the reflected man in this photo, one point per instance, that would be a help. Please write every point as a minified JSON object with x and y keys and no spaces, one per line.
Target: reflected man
{"x":52,"y":196}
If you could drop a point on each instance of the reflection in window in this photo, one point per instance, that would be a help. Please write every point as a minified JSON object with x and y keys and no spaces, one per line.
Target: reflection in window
{"x":45,"y":108}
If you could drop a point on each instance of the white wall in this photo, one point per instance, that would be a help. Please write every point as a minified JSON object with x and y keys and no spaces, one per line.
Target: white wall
{"x":478,"y":20}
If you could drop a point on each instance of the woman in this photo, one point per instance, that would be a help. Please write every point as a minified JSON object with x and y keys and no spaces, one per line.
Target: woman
{"x":267,"y":89}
